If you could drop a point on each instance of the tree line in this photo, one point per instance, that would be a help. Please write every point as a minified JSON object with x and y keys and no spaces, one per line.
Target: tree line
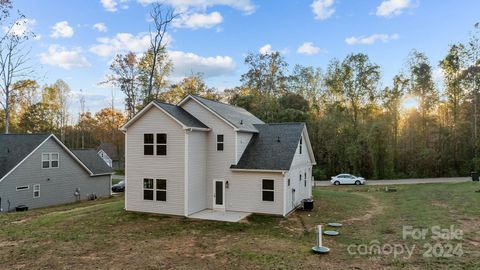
{"x":355,"y":124}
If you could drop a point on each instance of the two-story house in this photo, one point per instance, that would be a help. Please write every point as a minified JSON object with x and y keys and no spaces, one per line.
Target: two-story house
{"x":203,"y":154}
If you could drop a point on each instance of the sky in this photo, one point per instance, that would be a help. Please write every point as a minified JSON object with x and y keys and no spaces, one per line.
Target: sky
{"x":77,"y":39}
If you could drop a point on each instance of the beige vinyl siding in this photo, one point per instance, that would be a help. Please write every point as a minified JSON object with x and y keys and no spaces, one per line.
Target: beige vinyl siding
{"x":170,"y":167}
{"x":244,"y":191}
{"x":57,"y":185}
{"x":197,"y":171}
{"x":243,"y":138}
{"x":218,"y":162}
{"x":301,"y":164}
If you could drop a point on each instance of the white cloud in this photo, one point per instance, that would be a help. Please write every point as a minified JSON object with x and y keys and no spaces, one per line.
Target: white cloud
{"x":186,"y":63}
{"x":198,"y":20}
{"x":122,"y":42}
{"x":266,"y":49}
{"x":308,"y":48}
{"x":109,"y":5}
{"x":100,"y":27}
{"x":368,"y":40}
{"x":21,"y":27}
{"x":323,"y":9}
{"x":389,"y":8}
{"x":182,"y":5}
{"x":62,"y":30}
{"x":63,"y":58}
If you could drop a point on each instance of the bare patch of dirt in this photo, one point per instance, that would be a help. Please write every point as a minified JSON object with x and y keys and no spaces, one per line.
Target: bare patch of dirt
{"x":376,"y":208}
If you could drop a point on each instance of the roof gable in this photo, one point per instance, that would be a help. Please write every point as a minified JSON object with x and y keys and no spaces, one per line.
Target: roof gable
{"x":177,"y":113}
{"x":25,"y":145}
{"x":14,"y":148}
{"x":109,"y":149}
{"x":237,"y":117}
{"x":273,"y":148}
{"x":93,"y":161}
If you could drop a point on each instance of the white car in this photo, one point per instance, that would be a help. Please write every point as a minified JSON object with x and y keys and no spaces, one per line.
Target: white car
{"x":344,"y":178}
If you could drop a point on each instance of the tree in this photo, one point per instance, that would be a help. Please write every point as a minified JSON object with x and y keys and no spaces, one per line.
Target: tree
{"x":193,"y":84}
{"x":422,"y":85}
{"x":161,"y":18}
{"x":162,"y":69}
{"x":359,"y":79}
{"x":266,"y":73}
{"x":13,"y":56}
{"x":35,"y":119}
{"x":453,"y":66}
{"x":125,"y":75}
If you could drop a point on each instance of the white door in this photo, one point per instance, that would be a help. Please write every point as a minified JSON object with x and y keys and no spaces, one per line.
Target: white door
{"x":219,"y":195}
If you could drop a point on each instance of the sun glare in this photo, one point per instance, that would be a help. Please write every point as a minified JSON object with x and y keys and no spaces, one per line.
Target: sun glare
{"x":410,"y":102}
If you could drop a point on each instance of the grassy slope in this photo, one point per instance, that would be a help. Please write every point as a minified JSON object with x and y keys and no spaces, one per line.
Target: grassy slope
{"x":101,"y":234}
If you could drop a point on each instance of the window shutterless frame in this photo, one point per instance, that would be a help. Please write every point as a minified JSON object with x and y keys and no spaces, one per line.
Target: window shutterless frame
{"x":36,"y":191}
{"x":148,"y":189}
{"x":268,"y":193}
{"x":161,"y":190}
{"x":301,"y":144}
{"x":161,"y":144}
{"x":220,"y":142}
{"x":50,"y":160}
{"x":148,"y":144}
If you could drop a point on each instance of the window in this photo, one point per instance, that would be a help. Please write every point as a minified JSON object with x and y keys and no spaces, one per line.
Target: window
{"x":161,"y":190}
{"x":161,"y":144}
{"x":305,"y":179}
{"x":54,"y":159}
{"x":288,"y":182}
{"x":301,"y":144}
{"x":45,"y":161}
{"x":50,"y":160}
{"x":22,"y":188}
{"x":148,"y":144}
{"x":219,"y":142}
{"x":267,"y":190}
{"x":300,"y":178}
{"x":148,"y":189}
{"x":36,"y":191}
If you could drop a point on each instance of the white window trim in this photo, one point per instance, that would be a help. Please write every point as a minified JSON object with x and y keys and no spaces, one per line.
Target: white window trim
{"x":34,"y":187}
{"x":222,"y":143}
{"x":158,"y":189}
{"x":152,"y":144}
{"x":50,"y":159}
{"x":21,"y":188}
{"x":270,"y":190}
{"x":301,"y":144}
{"x":157,"y":144}
{"x":152,"y":189}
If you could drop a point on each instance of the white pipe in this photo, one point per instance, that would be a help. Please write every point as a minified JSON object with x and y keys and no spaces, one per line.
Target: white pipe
{"x":319,"y":235}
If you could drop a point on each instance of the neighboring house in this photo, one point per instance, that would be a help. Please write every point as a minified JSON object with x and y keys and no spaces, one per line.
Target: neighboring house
{"x":108,"y":152}
{"x":202,"y":154}
{"x":105,"y":157}
{"x":38,"y":170}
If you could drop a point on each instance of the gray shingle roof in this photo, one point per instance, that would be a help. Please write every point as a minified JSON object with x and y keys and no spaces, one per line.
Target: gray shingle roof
{"x":238,"y":117}
{"x":92,"y":160}
{"x":273,"y":148}
{"x":15,"y":147}
{"x":181,"y":115}
{"x":108,"y":148}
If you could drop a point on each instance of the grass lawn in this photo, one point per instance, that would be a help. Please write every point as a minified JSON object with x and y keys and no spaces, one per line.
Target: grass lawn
{"x":102,"y":235}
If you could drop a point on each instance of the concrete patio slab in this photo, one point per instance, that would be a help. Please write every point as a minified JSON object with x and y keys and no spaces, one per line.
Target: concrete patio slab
{"x":228,"y":216}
